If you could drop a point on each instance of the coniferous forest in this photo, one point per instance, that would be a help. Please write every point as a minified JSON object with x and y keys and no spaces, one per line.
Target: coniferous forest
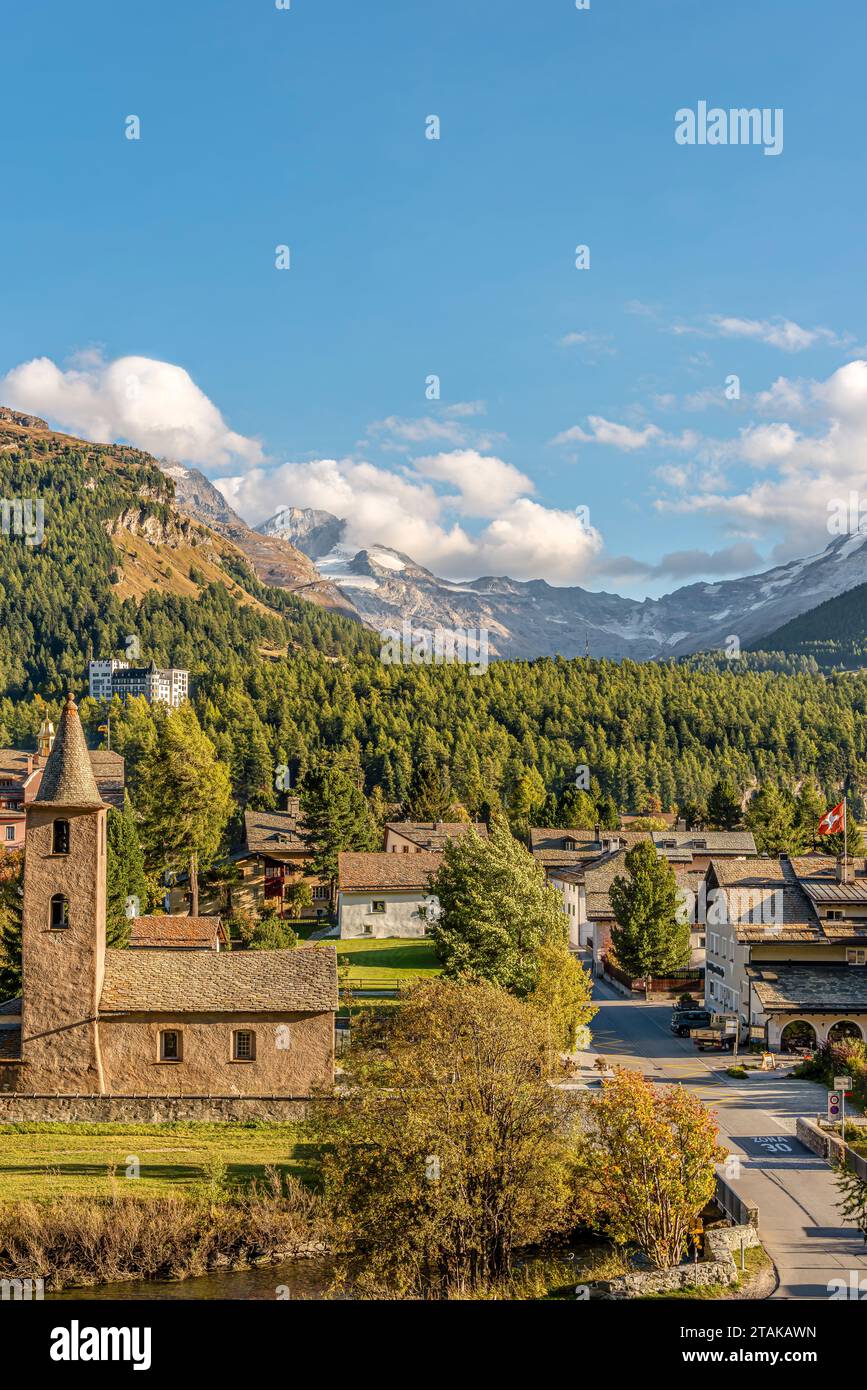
{"x":278,"y":681}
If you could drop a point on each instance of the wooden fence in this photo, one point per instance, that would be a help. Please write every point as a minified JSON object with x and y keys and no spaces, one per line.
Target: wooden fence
{"x":676,"y":982}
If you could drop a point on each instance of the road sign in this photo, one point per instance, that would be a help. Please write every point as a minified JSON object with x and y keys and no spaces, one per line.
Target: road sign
{"x":842,"y":1083}
{"x":835,"y":1102}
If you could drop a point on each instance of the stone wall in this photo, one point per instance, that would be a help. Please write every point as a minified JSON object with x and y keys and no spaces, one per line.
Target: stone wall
{"x":294,"y":1054}
{"x":17,"y":1109}
{"x":686,"y":1276}
{"x":830,"y":1147}
{"x":718,"y":1267}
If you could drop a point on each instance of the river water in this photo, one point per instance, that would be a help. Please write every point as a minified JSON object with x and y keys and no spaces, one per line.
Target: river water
{"x":304,"y":1279}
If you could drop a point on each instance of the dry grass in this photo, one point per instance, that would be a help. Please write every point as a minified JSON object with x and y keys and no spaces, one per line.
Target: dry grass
{"x":69,"y":1241}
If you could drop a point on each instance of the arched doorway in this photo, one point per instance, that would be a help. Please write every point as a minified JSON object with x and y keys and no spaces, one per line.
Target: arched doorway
{"x":797,"y":1034}
{"x":843,"y":1030}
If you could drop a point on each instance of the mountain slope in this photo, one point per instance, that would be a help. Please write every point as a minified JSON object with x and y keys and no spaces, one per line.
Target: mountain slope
{"x":114,"y":556}
{"x":273,"y":558}
{"x":532,"y":618}
{"x":834,"y":633}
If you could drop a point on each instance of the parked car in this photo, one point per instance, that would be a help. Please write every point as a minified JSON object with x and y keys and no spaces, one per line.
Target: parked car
{"x":682,"y":1020}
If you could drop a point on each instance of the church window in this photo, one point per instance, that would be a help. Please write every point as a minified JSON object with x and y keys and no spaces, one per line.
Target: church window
{"x":59,"y":911}
{"x":60,"y":837}
{"x":243,"y":1045}
{"x":170,"y":1045}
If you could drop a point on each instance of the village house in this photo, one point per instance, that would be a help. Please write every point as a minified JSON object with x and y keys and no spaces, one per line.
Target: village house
{"x":411,"y":837}
{"x":21,"y":775}
{"x":262,"y":873}
{"x":787,"y":947}
{"x":586,"y":902}
{"x":145,"y":1022}
{"x":583,"y":864}
{"x":386,"y":894}
{"x":570,"y":849}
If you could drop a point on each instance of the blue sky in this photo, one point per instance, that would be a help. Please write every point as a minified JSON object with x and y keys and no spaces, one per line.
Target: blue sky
{"x":412,"y":257}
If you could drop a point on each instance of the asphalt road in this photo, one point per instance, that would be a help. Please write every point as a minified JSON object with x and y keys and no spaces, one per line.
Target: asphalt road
{"x":799,"y":1222}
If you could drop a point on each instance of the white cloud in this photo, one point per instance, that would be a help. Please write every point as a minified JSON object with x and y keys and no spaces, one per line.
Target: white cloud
{"x":682,"y":565}
{"x":785,"y":397}
{"x":425,"y":429}
{"x":404,"y":510}
{"x":604,"y":431}
{"x":485,"y":484}
{"x":137,"y":400}
{"x":776,"y":332}
{"x":802,"y":472}
{"x":596,"y":344}
{"x":465,"y":408}
{"x":448,"y":425}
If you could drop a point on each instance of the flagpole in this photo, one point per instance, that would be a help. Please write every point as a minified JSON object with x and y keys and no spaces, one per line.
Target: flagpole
{"x":845,"y":843}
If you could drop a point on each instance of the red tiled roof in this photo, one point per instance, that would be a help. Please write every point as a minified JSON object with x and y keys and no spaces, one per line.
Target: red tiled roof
{"x":178,"y":932}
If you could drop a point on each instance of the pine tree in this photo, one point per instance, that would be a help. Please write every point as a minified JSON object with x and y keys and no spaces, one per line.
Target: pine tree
{"x":576,"y":811}
{"x":185,"y":798}
{"x":125,"y":875}
{"x":770,"y":815}
{"x":252,"y":766}
{"x":724,"y":805}
{"x":335,"y":817}
{"x":648,"y":938}
{"x":809,"y":809}
{"x":430,"y":793}
{"x":11,"y":913}
{"x":607,"y":813}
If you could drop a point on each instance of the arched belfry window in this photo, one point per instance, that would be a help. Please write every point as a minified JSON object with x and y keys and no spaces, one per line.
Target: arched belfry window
{"x":59,"y":912}
{"x":60,"y":837}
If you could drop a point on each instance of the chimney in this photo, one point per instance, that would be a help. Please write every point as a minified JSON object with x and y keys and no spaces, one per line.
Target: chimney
{"x":29,"y":763}
{"x":845,"y":869}
{"x":597,"y":831}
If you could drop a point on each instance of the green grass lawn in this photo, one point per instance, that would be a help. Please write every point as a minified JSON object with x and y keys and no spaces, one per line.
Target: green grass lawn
{"x":48,"y":1160}
{"x":387,"y":958}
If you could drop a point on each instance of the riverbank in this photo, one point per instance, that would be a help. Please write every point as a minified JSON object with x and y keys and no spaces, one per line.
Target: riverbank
{"x":71,"y":1241}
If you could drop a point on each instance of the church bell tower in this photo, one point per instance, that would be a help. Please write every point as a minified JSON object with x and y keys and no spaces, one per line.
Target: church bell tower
{"x":63,"y":934}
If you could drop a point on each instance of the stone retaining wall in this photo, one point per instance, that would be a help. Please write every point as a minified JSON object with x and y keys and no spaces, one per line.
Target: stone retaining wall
{"x":828,"y":1146}
{"x":89,"y":1109}
{"x":718,"y":1267}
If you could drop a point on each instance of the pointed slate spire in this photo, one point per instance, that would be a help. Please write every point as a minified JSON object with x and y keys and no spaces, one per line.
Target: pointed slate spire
{"x":68,"y":778}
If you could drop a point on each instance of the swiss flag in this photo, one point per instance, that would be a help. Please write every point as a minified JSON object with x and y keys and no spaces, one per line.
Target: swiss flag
{"x":832,"y":821}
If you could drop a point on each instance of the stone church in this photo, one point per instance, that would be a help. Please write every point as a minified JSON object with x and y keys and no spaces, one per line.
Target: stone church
{"x":156,"y":1022}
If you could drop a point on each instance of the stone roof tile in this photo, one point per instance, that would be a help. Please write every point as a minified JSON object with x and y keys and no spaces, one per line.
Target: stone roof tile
{"x":358,"y":870}
{"x":303,"y":980}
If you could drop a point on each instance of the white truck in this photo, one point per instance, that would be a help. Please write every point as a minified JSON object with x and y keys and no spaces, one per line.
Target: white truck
{"x":721,"y":1035}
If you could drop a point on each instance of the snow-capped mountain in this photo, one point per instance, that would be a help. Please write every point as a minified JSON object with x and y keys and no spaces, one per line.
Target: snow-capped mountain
{"x":274,"y":559}
{"x":532,"y":618}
